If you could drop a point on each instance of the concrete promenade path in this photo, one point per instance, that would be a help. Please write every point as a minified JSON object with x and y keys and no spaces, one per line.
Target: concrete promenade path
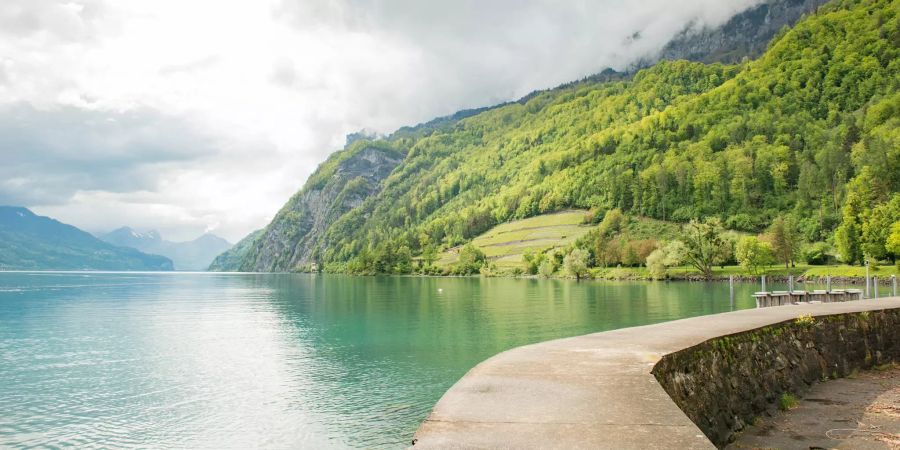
{"x":593,"y":391}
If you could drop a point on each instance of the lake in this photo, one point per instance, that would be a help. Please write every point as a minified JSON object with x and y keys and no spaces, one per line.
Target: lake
{"x":175,"y":360}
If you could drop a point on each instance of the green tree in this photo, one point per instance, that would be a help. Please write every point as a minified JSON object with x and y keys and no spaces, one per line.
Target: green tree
{"x":403,"y":261}
{"x":612,"y":222}
{"x":576,"y":262}
{"x":877,"y":226}
{"x":471,"y":259}
{"x":532,"y":261}
{"x":784,"y":237}
{"x":656,"y":264}
{"x":847,"y":237}
{"x":817,"y":253}
{"x":546,"y":268}
{"x":429,"y":254}
{"x":752,"y":254}
{"x":660,"y":260}
{"x":893,"y":241}
{"x":702,"y":242}
{"x":607,"y":248}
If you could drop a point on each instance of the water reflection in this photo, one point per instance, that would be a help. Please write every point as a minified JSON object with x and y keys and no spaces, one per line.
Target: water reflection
{"x":225,"y":361}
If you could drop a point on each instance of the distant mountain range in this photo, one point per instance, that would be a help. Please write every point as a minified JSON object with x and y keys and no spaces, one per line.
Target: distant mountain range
{"x":32,"y":242}
{"x":191,"y":255}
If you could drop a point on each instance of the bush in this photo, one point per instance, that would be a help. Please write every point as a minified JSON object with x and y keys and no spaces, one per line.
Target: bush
{"x":576,"y":263}
{"x":818,"y":254}
{"x":656,"y":264}
{"x":471,"y":259}
{"x":659,"y":261}
{"x":532,"y":261}
{"x":743,"y":222}
{"x":546,"y":268}
{"x":787,"y":402}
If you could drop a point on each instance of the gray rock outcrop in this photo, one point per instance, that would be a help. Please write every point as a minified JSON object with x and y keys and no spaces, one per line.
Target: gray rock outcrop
{"x":294,"y":238}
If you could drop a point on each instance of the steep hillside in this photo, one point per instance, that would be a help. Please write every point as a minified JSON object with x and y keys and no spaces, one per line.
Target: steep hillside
{"x":190,"y":255}
{"x":808,"y":129}
{"x":230,"y":260}
{"x":32,"y":242}
{"x":339,"y":185}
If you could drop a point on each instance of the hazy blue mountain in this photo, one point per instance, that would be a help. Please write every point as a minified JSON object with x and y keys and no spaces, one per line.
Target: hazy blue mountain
{"x":32,"y":242}
{"x":127,"y":237}
{"x":191,"y":255}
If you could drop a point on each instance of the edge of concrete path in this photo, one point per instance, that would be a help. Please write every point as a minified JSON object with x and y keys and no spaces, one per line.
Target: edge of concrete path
{"x":595,"y":390}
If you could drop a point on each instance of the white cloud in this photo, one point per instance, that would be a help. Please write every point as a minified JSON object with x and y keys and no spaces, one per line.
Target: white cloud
{"x":219,"y":110}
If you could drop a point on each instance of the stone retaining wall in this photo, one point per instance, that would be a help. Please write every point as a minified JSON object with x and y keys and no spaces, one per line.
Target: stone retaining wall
{"x":724,"y":383}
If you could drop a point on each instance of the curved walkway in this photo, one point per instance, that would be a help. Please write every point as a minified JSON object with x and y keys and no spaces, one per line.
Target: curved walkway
{"x":592,"y":391}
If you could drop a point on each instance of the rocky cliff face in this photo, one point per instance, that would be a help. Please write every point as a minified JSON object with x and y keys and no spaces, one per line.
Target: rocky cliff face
{"x":745,"y":34}
{"x":294,"y":238}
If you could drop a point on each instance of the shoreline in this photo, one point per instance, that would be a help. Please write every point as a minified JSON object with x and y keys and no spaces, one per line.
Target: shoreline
{"x":743,"y":278}
{"x":694,"y":278}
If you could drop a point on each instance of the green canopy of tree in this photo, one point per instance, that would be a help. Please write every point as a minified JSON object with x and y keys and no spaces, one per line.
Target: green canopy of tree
{"x":576,"y":263}
{"x":703,"y":243}
{"x":753,"y":254}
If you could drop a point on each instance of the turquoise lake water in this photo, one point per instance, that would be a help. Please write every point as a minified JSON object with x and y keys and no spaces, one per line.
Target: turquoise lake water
{"x":174,"y":360}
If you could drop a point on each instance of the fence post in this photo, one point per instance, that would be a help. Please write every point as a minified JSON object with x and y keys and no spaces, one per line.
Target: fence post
{"x":875,"y":286}
{"x":731,"y":289}
{"x":867,"y":278}
{"x":894,"y":285}
{"x":763,"y":283}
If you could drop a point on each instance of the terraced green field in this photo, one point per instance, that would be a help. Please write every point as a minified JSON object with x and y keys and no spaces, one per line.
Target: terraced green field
{"x":505,"y":243}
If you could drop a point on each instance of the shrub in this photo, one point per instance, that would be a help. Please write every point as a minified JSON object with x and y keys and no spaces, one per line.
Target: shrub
{"x":743,"y":222}
{"x":787,"y":402}
{"x":805,"y":320}
{"x":546,"y":268}
{"x":659,"y":261}
{"x":818,"y":254}
{"x":576,"y":263}
{"x":471,"y":259}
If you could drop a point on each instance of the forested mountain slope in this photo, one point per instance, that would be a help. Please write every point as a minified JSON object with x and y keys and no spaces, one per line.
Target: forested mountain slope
{"x":231,"y":259}
{"x":808,"y":129}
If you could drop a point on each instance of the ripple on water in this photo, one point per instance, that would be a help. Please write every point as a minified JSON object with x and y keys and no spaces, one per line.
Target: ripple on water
{"x":103,"y":360}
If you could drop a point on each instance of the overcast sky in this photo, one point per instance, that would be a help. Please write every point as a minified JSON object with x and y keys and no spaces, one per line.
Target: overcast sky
{"x":188,"y":116}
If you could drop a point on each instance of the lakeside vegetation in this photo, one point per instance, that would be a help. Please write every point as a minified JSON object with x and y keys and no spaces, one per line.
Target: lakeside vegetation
{"x":793,"y":157}
{"x":640,"y":248}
